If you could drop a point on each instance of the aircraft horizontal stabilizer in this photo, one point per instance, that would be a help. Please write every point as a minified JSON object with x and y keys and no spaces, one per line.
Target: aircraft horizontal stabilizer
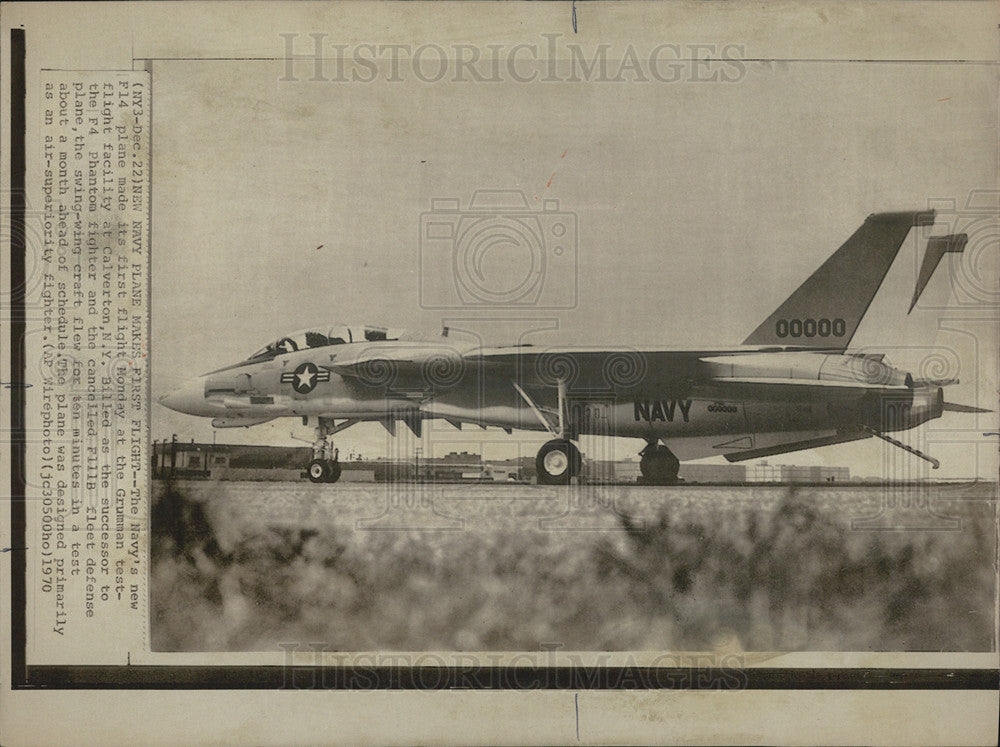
{"x":936,"y":382}
{"x":952,"y":407}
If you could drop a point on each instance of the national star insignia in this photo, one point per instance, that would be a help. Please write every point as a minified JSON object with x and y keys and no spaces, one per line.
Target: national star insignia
{"x":304,"y":378}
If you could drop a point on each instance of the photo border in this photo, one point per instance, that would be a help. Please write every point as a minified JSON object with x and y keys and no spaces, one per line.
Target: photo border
{"x":241,"y":677}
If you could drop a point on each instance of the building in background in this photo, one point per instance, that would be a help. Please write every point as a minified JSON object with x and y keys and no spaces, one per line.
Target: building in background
{"x":627,"y":471}
{"x":453,"y":467}
{"x":714,"y":473}
{"x":187,"y":461}
{"x":199,"y":461}
{"x":790,"y":473}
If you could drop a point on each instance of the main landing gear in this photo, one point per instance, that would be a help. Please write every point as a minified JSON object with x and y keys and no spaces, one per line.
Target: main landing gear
{"x":558,"y":461}
{"x":658,"y":465}
{"x":325,"y":464}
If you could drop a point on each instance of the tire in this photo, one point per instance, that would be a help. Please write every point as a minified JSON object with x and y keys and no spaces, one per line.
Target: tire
{"x":659,"y":466}
{"x":558,"y":461}
{"x":673,"y":465}
{"x":318,"y":470}
{"x":333,"y":471}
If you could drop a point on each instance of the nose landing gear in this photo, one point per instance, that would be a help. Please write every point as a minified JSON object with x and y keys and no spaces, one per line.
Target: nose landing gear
{"x":324,"y":470}
{"x":658,"y":465}
{"x":325,"y":464}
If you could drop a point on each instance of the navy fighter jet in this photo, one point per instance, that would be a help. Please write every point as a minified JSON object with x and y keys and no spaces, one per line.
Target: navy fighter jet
{"x":791,"y":385}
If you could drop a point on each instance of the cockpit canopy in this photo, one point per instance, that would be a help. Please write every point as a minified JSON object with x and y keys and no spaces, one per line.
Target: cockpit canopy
{"x":339,"y":334}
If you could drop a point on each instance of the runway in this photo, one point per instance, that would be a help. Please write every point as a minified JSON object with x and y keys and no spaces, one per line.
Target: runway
{"x":241,"y":566}
{"x":529,"y":507}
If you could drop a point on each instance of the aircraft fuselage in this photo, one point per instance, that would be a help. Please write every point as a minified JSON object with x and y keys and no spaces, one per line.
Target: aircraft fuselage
{"x":682,"y":401}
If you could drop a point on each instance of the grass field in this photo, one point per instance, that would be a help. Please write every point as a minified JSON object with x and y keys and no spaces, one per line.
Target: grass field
{"x":248,"y":566}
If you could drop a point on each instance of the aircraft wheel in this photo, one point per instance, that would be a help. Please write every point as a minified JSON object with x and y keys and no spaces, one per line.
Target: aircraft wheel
{"x":659,"y":466}
{"x":333,"y":471}
{"x":557,"y":462}
{"x":318,"y":470}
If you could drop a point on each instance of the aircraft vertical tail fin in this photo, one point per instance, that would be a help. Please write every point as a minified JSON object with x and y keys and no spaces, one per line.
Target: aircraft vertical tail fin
{"x":825,"y":311}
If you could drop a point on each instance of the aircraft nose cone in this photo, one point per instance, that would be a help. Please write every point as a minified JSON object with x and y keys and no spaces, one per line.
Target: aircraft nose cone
{"x":189,"y":398}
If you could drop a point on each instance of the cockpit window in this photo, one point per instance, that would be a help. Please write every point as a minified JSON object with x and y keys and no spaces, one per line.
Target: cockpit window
{"x":339,"y":335}
{"x":322,"y":337}
{"x":316,"y":339}
{"x":263,"y":353}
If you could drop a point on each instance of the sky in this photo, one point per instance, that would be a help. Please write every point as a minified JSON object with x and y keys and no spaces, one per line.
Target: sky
{"x":699,"y":206}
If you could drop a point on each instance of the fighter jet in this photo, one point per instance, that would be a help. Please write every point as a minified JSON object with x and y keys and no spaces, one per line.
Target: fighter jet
{"x":791,"y":385}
